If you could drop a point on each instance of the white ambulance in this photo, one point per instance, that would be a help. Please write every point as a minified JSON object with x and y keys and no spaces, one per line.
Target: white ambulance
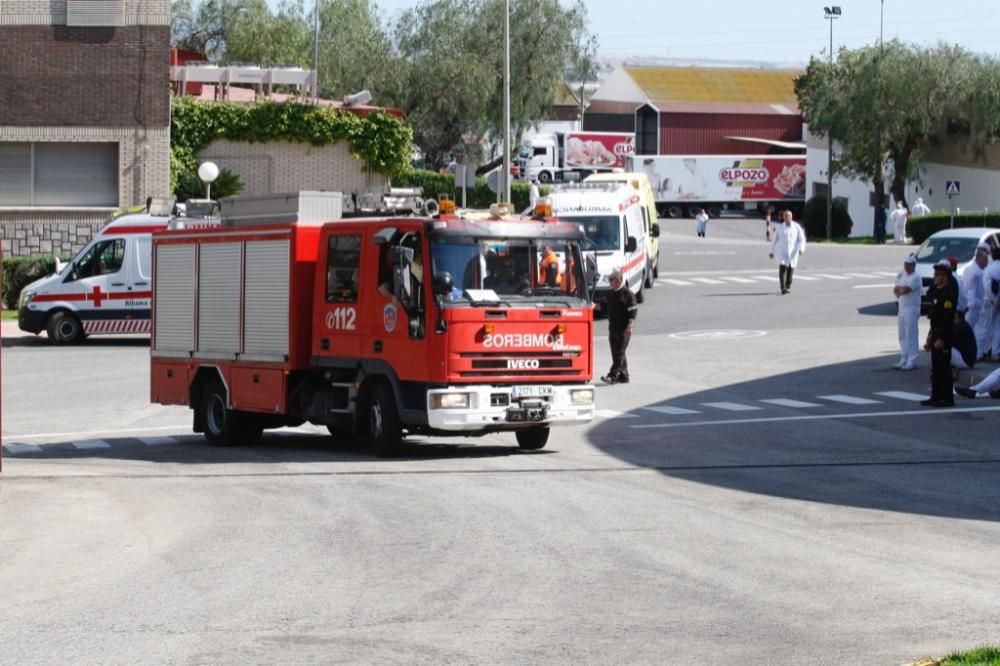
{"x":106,"y":288}
{"x":611,"y":216}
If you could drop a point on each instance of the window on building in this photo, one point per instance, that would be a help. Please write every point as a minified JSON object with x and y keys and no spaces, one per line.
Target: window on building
{"x":342,"y":269}
{"x":59,"y":174}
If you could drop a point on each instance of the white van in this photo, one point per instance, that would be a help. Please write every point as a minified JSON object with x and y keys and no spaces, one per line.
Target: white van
{"x":106,"y":288}
{"x":641,"y":183}
{"x":612,"y":218}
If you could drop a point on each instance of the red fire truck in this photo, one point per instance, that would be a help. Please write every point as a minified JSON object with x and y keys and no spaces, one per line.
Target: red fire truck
{"x":378,"y":328}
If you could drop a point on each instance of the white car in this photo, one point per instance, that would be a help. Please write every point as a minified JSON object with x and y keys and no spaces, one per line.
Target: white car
{"x":958,"y":243}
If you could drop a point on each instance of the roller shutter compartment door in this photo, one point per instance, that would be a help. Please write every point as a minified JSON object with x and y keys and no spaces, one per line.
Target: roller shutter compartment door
{"x":174,"y":302}
{"x":219,"y":300}
{"x":265,"y":317}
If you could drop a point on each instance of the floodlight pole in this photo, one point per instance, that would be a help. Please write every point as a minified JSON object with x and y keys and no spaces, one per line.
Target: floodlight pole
{"x":506,"y":101}
{"x":316,"y":53}
{"x":831,"y":14}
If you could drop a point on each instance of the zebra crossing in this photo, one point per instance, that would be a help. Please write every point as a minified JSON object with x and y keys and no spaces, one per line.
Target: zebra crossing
{"x":755,"y":278}
{"x":764,"y":407}
{"x":16,"y":448}
{"x":709,"y":412}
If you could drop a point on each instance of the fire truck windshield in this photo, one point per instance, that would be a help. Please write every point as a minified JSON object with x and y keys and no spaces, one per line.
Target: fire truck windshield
{"x":603,"y":230}
{"x":518,"y":271}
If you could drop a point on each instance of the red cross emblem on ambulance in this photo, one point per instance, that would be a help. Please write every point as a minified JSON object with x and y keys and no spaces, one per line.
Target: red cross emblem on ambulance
{"x":97,"y":296}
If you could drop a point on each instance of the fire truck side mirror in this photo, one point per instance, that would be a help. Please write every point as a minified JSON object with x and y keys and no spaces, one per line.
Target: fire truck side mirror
{"x":631,"y":244}
{"x":443,"y":284}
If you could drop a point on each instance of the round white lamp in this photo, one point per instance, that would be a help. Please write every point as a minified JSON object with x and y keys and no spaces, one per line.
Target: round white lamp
{"x":208,"y":172}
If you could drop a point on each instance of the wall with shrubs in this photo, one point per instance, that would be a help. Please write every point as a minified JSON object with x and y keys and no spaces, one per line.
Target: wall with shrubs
{"x":21,"y":271}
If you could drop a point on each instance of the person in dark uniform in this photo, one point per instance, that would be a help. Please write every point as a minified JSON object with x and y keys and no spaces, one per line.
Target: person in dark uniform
{"x":940,"y":337}
{"x":880,"y":219}
{"x":621,"y":309}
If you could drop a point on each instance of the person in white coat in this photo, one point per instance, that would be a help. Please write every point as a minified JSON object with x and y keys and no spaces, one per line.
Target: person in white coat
{"x":991,"y":309}
{"x":972,"y":285}
{"x":907,"y":293}
{"x":533,"y":197}
{"x":702,"y":220}
{"x":920,"y":208}
{"x":898,"y":219}
{"x":787,"y":243}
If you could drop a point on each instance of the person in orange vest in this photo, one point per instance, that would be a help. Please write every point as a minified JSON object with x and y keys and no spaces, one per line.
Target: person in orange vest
{"x":548,"y":268}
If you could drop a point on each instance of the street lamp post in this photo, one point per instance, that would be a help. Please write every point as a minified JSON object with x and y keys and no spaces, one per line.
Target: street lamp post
{"x":506,"y":102}
{"x":831,"y":14}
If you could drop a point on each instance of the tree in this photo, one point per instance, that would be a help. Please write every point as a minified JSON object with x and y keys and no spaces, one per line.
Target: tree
{"x":444,"y":82}
{"x":886,"y":105}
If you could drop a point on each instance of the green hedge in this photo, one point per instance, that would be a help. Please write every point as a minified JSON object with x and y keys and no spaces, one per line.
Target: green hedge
{"x":21,"y":271}
{"x":382,"y":140}
{"x":920,"y":228}
{"x":435,"y":184}
{"x":814,"y":218}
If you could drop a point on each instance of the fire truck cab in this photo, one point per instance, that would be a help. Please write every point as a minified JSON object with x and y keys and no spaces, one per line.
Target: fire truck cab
{"x":374,"y":327}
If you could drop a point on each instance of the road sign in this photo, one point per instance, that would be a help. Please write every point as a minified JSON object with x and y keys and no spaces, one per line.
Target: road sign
{"x":952,"y":188}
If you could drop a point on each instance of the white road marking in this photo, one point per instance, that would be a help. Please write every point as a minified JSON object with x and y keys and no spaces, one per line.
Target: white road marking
{"x":849,"y":399}
{"x":828,"y":276}
{"x":14,"y":449}
{"x":784,"y":402}
{"x":885,"y":274}
{"x":157,"y":441}
{"x":84,"y":433}
{"x":740,"y":280}
{"x":866,"y":276}
{"x":731,"y":406}
{"x":706,"y":280}
{"x":765,"y":278}
{"x":807,"y":278}
{"x":902,"y":395}
{"x":679,"y":283}
{"x":612,"y":414}
{"x":672,"y":411}
{"x":92,"y":444}
{"x":818,"y":417}
{"x":872,"y":286}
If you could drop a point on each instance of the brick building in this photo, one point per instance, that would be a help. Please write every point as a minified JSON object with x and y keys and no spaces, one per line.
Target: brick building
{"x":84,"y":116}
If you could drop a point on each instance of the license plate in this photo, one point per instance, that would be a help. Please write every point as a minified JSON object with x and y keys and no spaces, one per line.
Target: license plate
{"x":530,"y":391}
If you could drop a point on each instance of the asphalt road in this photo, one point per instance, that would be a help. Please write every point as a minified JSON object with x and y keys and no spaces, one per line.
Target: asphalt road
{"x":766,"y":490}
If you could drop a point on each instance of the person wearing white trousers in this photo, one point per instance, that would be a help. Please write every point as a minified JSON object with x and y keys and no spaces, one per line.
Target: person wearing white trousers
{"x":898,"y":218}
{"x":991,"y":309}
{"x":990,"y":384}
{"x":907,"y":293}
{"x":972,"y":285}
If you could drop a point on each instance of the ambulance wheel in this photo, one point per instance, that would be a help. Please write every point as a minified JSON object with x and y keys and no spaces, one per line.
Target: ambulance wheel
{"x":532,"y":439}
{"x":640,"y":296}
{"x":385,"y":431}
{"x":64,"y":328}
{"x":648,"y":280}
{"x":224,"y":426}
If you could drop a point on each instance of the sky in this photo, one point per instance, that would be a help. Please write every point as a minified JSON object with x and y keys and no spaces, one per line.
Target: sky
{"x":783,"y":31}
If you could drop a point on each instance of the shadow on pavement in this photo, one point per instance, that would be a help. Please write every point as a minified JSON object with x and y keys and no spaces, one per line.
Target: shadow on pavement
{"x":890,"y":454}
{"x":887,"y":309}
{"x":273,"y":447}
{"x":42,"y":341}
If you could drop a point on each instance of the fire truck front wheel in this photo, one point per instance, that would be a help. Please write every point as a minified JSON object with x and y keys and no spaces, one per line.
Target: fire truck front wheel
{"x":385,"y":430}
{"x":224,"y":426}
{"x":64,"y":328}
{"x":533,"y":438}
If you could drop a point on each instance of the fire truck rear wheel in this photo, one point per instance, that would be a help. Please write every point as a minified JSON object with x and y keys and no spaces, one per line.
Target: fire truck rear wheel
{"x":224,"y":426}
{"x":385,"y":431}
{"x":532,"y":439}
{"x":64,"y":328}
